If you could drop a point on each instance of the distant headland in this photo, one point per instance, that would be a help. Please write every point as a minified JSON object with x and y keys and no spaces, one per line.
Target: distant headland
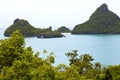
{"x":28,"y":30}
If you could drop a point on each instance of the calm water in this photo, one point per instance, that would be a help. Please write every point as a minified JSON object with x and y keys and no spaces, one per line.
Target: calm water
{"x":104,"y":48}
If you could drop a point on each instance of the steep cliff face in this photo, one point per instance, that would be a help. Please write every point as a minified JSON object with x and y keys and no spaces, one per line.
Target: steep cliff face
{"x":101,"y":21}
{"x":103,"y":9}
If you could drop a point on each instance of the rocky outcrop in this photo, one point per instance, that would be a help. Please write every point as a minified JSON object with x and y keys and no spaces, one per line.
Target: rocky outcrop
{"x":103,"y":9}
{"x":50,"y":35}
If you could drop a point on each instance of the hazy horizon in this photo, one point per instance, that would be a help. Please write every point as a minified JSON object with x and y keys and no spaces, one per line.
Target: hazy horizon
{"x":55,"y":13}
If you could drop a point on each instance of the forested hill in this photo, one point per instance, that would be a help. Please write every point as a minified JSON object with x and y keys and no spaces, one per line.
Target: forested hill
{"x":102,"y":21}
{"x":30,"y":31}
{"x":63,"y":29}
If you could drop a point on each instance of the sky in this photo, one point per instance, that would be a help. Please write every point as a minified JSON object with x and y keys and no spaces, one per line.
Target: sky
{"x":55,"y":13}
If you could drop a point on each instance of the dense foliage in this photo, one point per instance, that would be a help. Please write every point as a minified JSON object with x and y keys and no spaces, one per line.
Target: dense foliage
{"x":63,"y":29}
{"x":27,"y":29}
{"x":101,"y":21}
{"x":18,"y":62}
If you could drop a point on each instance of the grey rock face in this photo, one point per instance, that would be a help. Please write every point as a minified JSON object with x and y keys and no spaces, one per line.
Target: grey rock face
{"x":103,"y":8}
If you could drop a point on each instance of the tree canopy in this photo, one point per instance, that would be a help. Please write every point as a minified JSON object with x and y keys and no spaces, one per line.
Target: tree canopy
{"x":18,"y":62}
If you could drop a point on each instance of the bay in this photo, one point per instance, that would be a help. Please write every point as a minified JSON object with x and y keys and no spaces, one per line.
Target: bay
{"x":105,"y":48}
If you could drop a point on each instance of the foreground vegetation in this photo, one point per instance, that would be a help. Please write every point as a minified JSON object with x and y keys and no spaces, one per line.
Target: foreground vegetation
{"x":18,"y":62}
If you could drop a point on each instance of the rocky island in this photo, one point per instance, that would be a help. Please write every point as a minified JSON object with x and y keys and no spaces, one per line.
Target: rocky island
{"x":28,"y":30}
{"x":102,"y":21}
{"x":64,"y":29}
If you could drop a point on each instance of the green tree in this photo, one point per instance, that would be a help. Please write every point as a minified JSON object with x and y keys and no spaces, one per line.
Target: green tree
{"x":61,"y":72}
{"x":83,"y":61}
{"x":20,"y":63}
{"x":73,"y":57}
{"x":72,"y":73}
{"x":108,"y":75}
{"x":11,"y":49}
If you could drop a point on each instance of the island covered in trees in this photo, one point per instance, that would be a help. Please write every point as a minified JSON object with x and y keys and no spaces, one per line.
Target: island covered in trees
{"x":102,"y":21}
{"x":28,"y":30}
{"x":63,"y":29}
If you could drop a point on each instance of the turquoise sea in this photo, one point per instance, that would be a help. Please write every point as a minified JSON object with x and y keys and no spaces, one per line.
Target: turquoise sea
{"x":104,"y":48}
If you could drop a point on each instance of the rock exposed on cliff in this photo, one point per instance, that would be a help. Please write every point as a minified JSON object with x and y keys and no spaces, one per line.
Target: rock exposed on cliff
{"x":50,"y":35}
